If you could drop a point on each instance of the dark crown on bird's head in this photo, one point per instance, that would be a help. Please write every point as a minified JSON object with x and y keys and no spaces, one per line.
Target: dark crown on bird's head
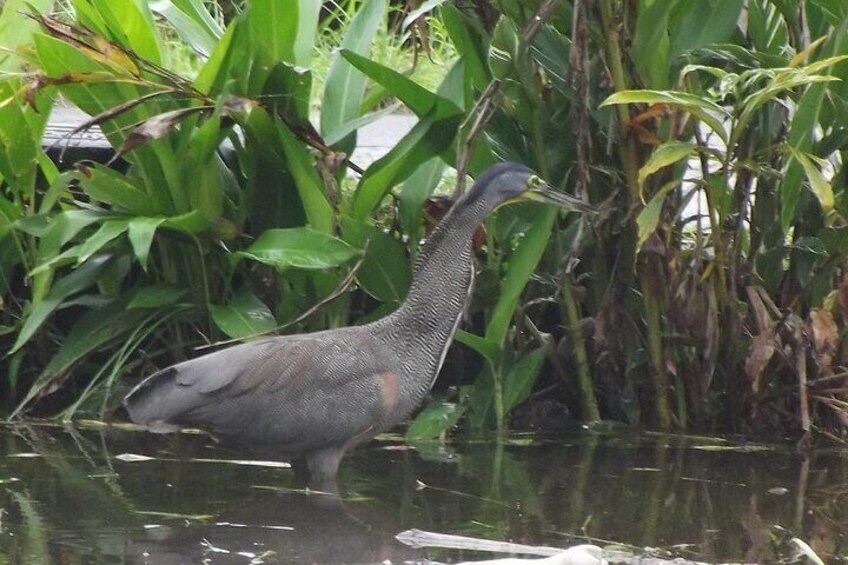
{"x":502,"y":182}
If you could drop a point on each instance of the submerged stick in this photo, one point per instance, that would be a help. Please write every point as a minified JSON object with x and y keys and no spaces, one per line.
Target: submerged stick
{"x":419,"y":538}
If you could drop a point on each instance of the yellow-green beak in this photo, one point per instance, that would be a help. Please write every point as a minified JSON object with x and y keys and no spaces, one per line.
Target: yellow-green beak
{"x":544,"y":193}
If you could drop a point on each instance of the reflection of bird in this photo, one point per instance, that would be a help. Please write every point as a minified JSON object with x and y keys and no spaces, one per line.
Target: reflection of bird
{"x":319,"y":394}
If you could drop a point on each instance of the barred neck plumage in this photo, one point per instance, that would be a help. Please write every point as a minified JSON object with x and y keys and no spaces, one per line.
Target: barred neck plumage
{"x":424,"y":324}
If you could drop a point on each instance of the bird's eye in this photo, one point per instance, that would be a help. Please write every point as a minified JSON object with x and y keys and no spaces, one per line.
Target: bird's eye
{"x":534,"y":182}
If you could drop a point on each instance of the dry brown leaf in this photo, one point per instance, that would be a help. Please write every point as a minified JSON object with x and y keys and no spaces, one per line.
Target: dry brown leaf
{"x":765,"y":342}
{"x":825,"y":337}
{"x":762,"y":350}
{"x":843,"y":298}
{"x":156,"y":127}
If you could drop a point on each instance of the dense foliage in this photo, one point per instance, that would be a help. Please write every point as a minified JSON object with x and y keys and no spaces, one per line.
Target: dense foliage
{"x":707,"y":293}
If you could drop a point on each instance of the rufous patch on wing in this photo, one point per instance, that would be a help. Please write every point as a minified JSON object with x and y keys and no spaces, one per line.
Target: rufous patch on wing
{"x":390,"y":391}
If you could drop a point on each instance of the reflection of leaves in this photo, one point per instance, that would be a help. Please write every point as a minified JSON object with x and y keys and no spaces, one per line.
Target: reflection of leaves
{"x":433,"y":421}
{"x":65,"y":489}
{"x":519,"y":381}
{"x":35,"y":548}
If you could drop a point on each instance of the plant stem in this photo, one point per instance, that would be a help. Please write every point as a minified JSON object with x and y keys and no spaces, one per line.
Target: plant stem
{"x":578,"y":346}
{"x":627,"y":146}
{"x":497,"y":380}
{"x":629,"y":158}
{"x":653,"y":315}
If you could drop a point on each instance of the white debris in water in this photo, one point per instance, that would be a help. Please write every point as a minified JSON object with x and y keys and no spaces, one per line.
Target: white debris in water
{"x":585,"y":554}
{"x":132,"y":457}
{"x":260,"y":526}
{"x":207,"y":546}
{"x":253,"y":462}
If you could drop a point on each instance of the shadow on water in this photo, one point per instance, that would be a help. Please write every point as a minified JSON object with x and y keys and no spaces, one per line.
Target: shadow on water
{"x":73,"y":496}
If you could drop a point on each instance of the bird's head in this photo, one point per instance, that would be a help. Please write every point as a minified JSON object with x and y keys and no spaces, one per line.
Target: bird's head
{"x":507,"y":183}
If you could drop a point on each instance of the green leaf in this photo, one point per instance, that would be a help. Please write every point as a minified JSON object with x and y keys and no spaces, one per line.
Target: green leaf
{"x":766,"y":31}
{"x":663,"y":156}
{"x":279,"y":30}
{"x":157,"y":296}
{"x":231,"y":48}
{"x":503,"y":52}
{"x":470,"y":43}
{"x":65,"y":227}
{"x":109,"y":230}
{"x":705,"y":110}
{"x":310,"y":187}
{"x":819,"y":185}
{"x":651,"y":44}
{"x":140,"y":233}
{"x":345,"y":85}
{"x":20,"y":138}
{"x":703,"y":23}
{"x":119,"y":191}
{"x":132,"y":25}
{"x":522,"y":264}
{"x":192,"y":22}
{"x":418,"y":99}
{"x":191,"y":222}
{"x":16,"y":29}
{"x":76,"y":281}
{"x":806,"y":119}
{"x":780,"y":82}
{"x":427,"y":139}
{"x":308,"y":12}
{"x":649,"y":217}
{"x":303,"y":248}
{"x":415,"y":191}
{"x":489,"y":349}
{"x":203,"y":170}
{"x":433,"y":421}
{"x":384,"y":274}
{"x":518,"y":382}
{"x":155,"y":162}
{"x":91,"y":332}
{"x":426,"y":7}
{"x":351,"y":126}
{"x":243,"y":317}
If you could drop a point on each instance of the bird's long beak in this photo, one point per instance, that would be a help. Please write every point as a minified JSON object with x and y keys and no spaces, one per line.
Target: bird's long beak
{"x":544,"y":193}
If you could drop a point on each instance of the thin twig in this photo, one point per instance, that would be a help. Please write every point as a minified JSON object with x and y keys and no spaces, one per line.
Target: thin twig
{"x":480,"y":114}
{"x":534,"y":26}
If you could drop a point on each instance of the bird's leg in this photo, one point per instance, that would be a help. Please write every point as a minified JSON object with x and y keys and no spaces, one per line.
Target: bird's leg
{"x":323,"y":466}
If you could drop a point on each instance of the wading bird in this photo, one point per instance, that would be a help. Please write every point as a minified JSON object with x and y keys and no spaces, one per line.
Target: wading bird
{"x":317,"y":395}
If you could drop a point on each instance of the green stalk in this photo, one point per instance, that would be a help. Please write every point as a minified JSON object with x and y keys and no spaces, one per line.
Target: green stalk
{"x":653,"y":315}
{"x":591,"y":413}
{"x":497,"y":380}
{"x":629,"y":159}
{"x":627,"y":147}
{"x":578,"y":345}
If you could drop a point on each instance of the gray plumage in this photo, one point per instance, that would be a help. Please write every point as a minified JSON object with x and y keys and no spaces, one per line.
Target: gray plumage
{"x":319,"y":394}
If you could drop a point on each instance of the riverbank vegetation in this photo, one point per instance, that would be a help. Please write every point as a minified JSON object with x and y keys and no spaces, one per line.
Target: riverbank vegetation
{"x":709,"y":292}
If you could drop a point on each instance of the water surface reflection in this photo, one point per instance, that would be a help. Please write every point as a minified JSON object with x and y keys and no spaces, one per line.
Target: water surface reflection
{"x":71,"y":496}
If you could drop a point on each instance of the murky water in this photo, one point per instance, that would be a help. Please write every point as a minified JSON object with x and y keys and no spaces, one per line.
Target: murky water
{"x":74,"y":496}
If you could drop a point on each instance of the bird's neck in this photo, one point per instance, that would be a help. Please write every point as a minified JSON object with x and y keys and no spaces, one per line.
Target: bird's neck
{"x":425,"y":323}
